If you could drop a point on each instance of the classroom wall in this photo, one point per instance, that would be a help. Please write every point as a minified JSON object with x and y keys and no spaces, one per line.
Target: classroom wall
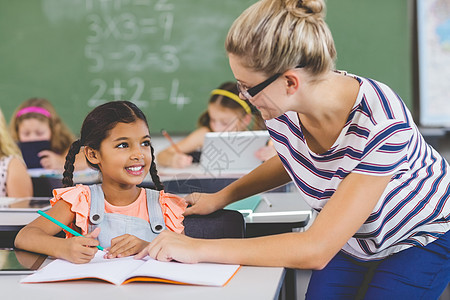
{"x":167,"y":55}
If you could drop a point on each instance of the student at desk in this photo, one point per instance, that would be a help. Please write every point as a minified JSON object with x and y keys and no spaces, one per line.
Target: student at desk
{"x":14,"y":179}
{"x":226,"y":112}
{"x":350,"y":145}
{"x":117,"y":214}
{"x":36,"y":120}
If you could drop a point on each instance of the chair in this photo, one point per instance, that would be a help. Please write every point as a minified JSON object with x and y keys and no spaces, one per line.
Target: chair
{"x":191,"y":185}
{"x":43,"y":186}
{"x":223,"y":223}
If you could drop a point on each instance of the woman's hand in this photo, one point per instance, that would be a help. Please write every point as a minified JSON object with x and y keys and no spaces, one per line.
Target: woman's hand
{"x":169,"y":246}
{"x":125,"y":245}
{"x":51,"y":160}
{"x":202,"y":204}
{"x":81,"y":249}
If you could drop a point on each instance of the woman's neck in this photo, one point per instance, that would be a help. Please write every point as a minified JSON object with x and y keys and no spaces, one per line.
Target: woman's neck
{"x":324,"y":109}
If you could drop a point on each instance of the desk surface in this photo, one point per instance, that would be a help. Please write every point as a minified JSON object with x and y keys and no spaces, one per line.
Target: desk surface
{"x":288,"y":207}
{"x":248,"y":283}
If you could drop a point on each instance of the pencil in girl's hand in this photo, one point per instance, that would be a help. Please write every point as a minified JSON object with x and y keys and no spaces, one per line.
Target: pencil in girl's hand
{"x":167,"y":136}
{"x":67,"y":228}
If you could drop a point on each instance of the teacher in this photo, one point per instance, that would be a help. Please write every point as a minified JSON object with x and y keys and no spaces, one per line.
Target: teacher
{"x":352,"y":149}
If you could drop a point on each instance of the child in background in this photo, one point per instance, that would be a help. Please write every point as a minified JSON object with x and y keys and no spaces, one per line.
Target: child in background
{"x":116,"y":142}
{"x":36,"y":120}
{"x":14,"y":179}
{"x":226,"y":112}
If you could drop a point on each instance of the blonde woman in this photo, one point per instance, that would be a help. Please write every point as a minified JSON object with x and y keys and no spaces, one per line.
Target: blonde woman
{"x":36,"y":120}
{"x":14,"y":179}
{"x":352,"y":149}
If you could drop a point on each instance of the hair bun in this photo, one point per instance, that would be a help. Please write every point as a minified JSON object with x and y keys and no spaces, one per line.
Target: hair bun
{"x":306,"y":8}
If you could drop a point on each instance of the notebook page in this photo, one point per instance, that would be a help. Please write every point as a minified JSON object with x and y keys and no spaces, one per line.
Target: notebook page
{"x":200,"y":274}
{"x":113,"y":270}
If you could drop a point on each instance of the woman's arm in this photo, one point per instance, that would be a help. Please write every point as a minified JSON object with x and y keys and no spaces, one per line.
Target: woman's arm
{"x":38,"y":236}
{"x":268,"y":175}
{"x":18,"y":181}
{"x":338,"y":221}
{"x":170,"y":157}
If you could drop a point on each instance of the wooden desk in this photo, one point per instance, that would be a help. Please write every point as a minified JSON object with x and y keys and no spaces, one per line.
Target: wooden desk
{"x":248,"y":283}
{"x":288,"y":212}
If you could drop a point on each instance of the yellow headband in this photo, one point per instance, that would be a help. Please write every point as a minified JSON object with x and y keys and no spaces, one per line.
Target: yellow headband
{"x":233,"y":97}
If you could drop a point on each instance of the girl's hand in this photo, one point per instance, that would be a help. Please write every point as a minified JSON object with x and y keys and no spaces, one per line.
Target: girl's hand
{"x":81,"y":249}
{"x":169,"y":246}
{"x":202,"y":204}
{"x":181,"y":160}
{"x":125,"y":245}
{"x":51,"y":160}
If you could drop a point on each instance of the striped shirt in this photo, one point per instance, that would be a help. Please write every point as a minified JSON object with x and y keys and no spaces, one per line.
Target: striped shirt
{"x":379,"y":139}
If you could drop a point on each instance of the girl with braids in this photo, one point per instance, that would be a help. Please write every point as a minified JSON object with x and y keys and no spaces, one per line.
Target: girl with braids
{"x":117,"y":214}
{"x":226,"y":112}
{"x":352,"y":149}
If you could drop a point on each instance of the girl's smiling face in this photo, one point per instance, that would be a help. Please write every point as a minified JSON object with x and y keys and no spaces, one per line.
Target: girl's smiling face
{"x":125,"y":156}
{"x":33,"y":130}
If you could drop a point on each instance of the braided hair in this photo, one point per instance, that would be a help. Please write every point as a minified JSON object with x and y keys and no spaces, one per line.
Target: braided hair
{"x":95,"y":129}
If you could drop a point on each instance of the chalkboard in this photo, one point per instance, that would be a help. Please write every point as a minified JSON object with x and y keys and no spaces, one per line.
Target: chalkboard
{"x":374,"y":39}
{"x":165,"y":55}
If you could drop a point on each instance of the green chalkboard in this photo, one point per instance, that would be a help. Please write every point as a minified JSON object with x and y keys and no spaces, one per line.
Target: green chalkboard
{"x":165,"y":55}
{"x":374,"y":39}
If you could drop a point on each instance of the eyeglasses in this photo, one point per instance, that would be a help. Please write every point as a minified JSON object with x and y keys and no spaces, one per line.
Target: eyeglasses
{"x":252,"y":92}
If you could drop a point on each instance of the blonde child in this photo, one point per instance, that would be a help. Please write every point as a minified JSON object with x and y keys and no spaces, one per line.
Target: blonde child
{"x":14,"y":179}
{"x":226,"y":112}
{"x":117,"y":215}
{"x":36,"y":120}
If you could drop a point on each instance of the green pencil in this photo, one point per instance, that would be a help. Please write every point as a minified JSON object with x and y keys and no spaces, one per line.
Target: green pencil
{"x":67,"y":228}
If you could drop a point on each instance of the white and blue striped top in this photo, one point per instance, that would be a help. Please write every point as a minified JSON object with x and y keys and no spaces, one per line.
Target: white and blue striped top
{"x":379,"y":138}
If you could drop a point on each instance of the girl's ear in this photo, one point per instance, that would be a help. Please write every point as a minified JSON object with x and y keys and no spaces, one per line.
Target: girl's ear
{"x":92,"y":155}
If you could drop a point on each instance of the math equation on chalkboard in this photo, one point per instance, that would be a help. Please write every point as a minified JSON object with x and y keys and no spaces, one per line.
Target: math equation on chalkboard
{"x":131,"y":37}
{"x":166,"y":56}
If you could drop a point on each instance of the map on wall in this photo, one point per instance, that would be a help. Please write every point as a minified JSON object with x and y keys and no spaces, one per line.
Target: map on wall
{"x":433,"y":18}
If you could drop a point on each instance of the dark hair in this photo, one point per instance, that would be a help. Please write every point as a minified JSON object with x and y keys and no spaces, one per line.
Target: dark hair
{"x":204,"y":119}
{"x":95,"y":129}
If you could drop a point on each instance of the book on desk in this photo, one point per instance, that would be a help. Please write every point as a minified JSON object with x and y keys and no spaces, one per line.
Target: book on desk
{"x":127,"y":269}
{"x":245,"y":206}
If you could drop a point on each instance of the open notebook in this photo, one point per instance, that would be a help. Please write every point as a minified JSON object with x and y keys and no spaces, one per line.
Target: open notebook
{"x":124,"y":270}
